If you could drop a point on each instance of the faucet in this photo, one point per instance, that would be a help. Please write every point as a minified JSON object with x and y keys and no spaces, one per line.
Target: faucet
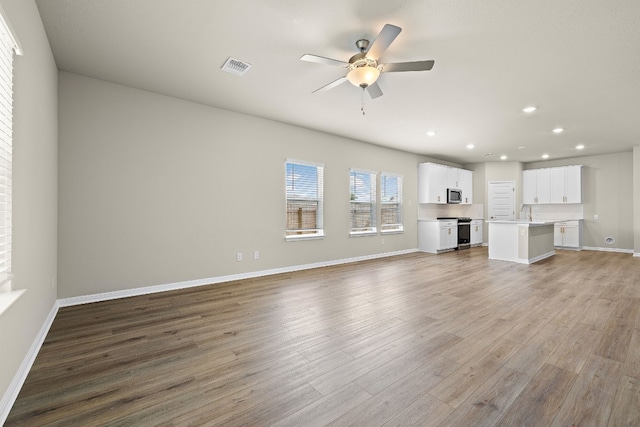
{"x":530,"y":214}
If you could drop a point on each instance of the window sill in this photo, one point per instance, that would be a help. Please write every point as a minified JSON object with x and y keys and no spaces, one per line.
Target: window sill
{"x":391,"y":231}
{"x":304,"y":237}
{"x":8,"y":298}
{"x":363,"y":234}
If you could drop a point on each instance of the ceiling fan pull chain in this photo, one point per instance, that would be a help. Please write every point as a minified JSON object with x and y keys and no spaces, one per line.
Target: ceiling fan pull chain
{"x":362,"y":101}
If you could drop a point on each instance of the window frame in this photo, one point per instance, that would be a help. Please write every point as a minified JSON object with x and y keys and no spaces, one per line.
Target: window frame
{"x":400,"y":209}
{"x":10,"y":49}
{"x":293,"y":234}
{"x":373,"y":209}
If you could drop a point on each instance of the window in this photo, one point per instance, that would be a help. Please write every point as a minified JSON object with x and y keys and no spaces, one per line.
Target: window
{"x":363,"y":202}
{"x":391,"y":201}
{"x":7,"y":47}
{"x":304,"y":183}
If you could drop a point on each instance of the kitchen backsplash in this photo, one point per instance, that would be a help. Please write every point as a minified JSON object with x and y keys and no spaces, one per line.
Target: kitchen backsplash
{"x":559,"y":212}
{"x":433,"y":211}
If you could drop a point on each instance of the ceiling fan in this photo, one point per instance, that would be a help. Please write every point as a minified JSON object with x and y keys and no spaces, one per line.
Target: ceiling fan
{"x":364,"y":67}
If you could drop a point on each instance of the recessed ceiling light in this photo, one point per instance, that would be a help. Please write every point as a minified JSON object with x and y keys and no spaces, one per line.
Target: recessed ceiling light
{"x":470,"y":146}
{"x":431,"y":133}
{"x":579,"y":146}
{"x":545,"y":156}
{"x":488,"y":155}
{"x":529,"y":109}
{"x":558,"y":130}
{"x":503,"y":157}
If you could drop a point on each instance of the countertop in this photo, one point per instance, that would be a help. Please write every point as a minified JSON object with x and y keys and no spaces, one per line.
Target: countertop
{"x":523,"y":222}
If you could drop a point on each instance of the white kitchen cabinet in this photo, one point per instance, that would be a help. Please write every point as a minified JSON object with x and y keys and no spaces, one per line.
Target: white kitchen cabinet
{"x":566,"y":184}
{"x":432,"y":183}
{"x":476,"y":232}
{"x":437,"y":236}
{"x":465,"y":183}
{"x":536,"y":186}
{"x":568,"y":234}
{"x":452,"y":178}
{"x":434,"y":179}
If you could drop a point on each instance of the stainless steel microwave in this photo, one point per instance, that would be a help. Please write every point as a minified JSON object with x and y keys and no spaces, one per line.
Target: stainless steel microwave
{"x":454,"y":195}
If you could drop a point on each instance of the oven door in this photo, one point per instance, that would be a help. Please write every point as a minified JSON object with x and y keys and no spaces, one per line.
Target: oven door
{"x":464,"y":235}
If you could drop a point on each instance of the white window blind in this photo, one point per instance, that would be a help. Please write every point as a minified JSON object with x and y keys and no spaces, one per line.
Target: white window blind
{"x":363,"y":202}
{"x":391,"y":201}
{"x":7,"y":47}
{"x":305,"y":190}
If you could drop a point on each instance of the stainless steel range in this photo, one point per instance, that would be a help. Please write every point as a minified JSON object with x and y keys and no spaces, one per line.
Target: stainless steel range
{"x":464,"y":233}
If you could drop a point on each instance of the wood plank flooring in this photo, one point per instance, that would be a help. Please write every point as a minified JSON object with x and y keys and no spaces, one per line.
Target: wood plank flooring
{"x":431,"y":340}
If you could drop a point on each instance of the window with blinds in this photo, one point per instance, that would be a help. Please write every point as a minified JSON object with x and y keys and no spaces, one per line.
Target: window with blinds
{"x":7,"y":48}
{"x":305,"y":188}
{"x":363,"y":202}
{"x":391,"y":201}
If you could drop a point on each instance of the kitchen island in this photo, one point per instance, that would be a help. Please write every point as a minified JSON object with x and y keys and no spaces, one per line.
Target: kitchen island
{"x":521,"y":241}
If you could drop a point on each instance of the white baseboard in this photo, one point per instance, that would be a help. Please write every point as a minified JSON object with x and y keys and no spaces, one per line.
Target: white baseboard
{"x":11,"y":394}
{"x":591,"y":248}
{"x":636,"y":254}
{"x":66,"y":302}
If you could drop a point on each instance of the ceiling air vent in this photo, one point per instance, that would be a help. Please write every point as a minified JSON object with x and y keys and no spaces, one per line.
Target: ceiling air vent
{"x":235,"y":66}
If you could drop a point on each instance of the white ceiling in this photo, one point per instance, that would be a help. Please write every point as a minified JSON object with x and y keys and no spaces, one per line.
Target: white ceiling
{"x":577,"y":60}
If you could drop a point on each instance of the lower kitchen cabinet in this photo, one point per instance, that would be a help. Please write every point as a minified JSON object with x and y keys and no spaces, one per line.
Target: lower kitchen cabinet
{"x":568,"y":235}
{"x":476,"y":232}
{"x":435,"y":236}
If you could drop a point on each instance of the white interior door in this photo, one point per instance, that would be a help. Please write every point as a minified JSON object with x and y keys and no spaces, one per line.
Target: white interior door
{"x":502,"y":200}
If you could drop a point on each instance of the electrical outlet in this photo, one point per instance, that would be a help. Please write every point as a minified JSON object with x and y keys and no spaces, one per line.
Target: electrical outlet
{"x":256,"y":254}
{"x":239,"y":256}
{"x":382,"y":241}
{"x":595,"y":216}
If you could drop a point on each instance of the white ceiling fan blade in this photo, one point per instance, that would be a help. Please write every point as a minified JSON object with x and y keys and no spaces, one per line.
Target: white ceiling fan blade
{"x":322,"y":60}
{"x":374,"y":90}
{"x":407,"y":66}
{"x":381,"y":43}
{"x":331,"y":85}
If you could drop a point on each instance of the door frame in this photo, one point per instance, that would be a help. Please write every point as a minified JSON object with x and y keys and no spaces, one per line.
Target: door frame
{"x":489,"y":183}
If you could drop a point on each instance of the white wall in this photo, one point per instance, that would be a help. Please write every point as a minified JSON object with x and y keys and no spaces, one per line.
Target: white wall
{"x":34,"y":190}
{"x":636,"y":199}
{"x":607,"y":191}
{"x":156,"y":190}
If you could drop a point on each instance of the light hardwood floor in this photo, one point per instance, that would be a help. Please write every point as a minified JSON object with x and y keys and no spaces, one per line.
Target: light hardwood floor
{"x":419,"y":339}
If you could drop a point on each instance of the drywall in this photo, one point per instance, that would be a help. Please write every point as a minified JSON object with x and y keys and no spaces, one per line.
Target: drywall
{"x":607,"y":191}
{"x":156,"y":190}
{"x":636,"y":200}
{"x":34,"y":191}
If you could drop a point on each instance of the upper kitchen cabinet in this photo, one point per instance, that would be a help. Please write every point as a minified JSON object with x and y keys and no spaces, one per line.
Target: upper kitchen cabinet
{"x":434,"y":179}
{"x":536,"y":186}
{"x":552,"y":185}
{"x":566,"y":184}
{"x":432,"y":183}
{"x":465,"y":183}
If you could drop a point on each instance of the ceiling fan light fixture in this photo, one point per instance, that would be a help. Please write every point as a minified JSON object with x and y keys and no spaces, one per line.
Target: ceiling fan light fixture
{"x":363,"y":76}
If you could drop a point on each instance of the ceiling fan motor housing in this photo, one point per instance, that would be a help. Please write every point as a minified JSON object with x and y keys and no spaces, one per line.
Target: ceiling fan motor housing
{"x":363,"y":71}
